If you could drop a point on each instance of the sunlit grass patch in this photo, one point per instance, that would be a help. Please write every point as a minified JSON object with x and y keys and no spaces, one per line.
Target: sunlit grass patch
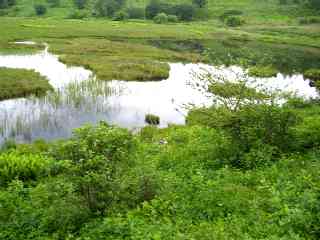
{"x":20,"y":83}
{"x":13,"y":48}
{"x":120,"y":60}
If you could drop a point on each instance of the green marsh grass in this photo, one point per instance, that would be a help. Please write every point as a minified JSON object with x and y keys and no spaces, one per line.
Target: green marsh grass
{"x":21,"y":83}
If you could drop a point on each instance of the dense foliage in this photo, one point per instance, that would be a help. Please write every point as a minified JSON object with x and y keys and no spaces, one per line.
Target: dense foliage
{"x":245,"y":169}
{"x":7,"y":3}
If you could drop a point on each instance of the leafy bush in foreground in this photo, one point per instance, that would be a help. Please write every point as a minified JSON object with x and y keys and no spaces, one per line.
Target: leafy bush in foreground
{"x":25,"y":167}
{"x":251,"y":173}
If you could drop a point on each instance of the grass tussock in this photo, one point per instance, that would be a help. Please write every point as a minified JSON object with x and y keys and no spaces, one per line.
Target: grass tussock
{"x":21,"y":83}
{"x":263,"y":71}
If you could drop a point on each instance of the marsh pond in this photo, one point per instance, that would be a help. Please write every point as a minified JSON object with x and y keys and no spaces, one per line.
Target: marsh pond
{"x":79,"y":97}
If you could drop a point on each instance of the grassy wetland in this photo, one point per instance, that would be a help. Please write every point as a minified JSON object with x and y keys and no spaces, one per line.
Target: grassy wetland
{"x":16,"y":83}
{"x":182,"y":119}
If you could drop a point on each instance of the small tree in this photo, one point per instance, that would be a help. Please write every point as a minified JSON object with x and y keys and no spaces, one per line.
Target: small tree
{"x":107,"y":8}
{"x":40,"y":9}
{"x":80,"y":4}
{"x":153,"y":9}
{"x":4,"y":4}
{"x":161,"y":18}
{"x":185,"y":12}
{"x":314,"y":4}
{"x":136,"y":13}
{"x":200,"y":3}
{"x":258,"y":125}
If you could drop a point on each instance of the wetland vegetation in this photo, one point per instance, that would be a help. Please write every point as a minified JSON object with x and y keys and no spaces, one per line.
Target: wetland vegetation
{"x":230,"y":90}
{"x":16,"y":83}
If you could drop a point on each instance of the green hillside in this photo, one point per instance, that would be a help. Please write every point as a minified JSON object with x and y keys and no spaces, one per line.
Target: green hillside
{"x":253,"y":10}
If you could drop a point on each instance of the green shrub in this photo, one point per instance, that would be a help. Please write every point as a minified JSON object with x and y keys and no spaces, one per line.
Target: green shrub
{"x":309,"y":20}
{"x":200,"y":3}
{"x":136,"y":13}
{"x":202,"y":14}
{"x":313,"y":74}
{"x":107,"y":8}
{"x":195,"y":147}
{"x":260,"y":155}
{"x":250,"y":128}
{"x":25,"y":167}
{"x":229,"y":13}
{"x":234,"y":21}
{"x":148,"y":133}
{"x":7,"y":3}
{"x":307,"y":134}
{"x":314,"y":4}
{"x":114,"y":143}
{"x":155,"y":7}
{"x":40,"y":9}
{"x":120,"y":16}
{"x":269,"y":124}
{"x":80,"y":4}
{"x":185,"y":12}
{"x":263,"y":71}
{"x":152,"y":119}
{"x":173,"y":18}
{"x":161,"y":18}
{"x":78,"y":14}
{"x":3,"y":12}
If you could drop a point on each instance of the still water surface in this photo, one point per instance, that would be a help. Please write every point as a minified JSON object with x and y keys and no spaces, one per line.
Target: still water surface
{"x":79,"y":98}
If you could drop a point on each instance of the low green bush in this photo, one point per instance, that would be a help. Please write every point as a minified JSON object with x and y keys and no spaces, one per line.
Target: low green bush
{"x":173,"y":18}
{"x":113,"y":143}
{"x":136,"y":13}
{"x":190,"y":182}
{"x":234,"y":21}
{"x":40,"y":9}
{"x":185,"y":12}
{"x":255,"y":130}
{"x":25,"y":167}
{"x":308,"y":20}
{"x":263,"y":71}
{"x":161,"y":18}
{"x":120,"y":16}
{"x":229,"y":13}
{"x":313,"y":74}
{"x":78,"y":14}
{"x":307,"y":134}
{"x":148,"y":133}
{"x":202,"y":14}
{"x":152,"y":119}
